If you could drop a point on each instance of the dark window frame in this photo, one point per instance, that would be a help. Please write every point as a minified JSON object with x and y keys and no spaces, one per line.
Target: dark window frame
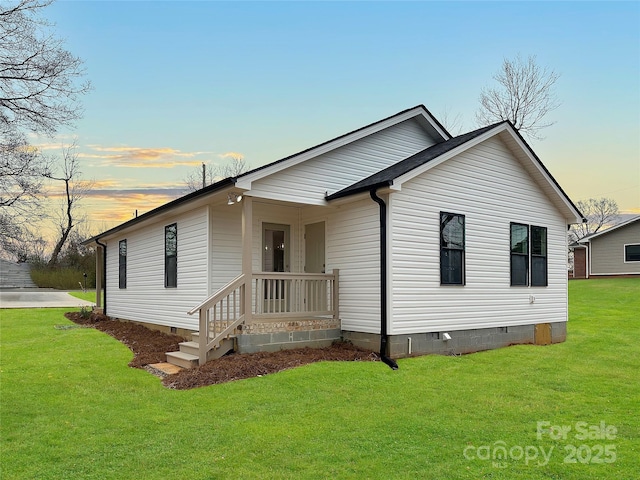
{"x":533,"y":251}
{"x":452,"y":255}
{"x":171,"y":256}
{"x":539,"y":254}
{"x":122,"y":264}
{"x":628,"y":257}
{"x":516,"y":274}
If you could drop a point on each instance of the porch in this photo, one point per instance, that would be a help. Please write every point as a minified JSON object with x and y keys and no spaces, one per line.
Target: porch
{"x":267,"y":312}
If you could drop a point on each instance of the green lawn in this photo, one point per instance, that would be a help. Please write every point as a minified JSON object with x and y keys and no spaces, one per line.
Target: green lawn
{"x":72,"y":409}
{"x":89,"y":295}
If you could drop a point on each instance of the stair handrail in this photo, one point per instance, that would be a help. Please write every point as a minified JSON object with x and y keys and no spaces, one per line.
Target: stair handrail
{"x":219,"y":294}
{"x":204,"y":344}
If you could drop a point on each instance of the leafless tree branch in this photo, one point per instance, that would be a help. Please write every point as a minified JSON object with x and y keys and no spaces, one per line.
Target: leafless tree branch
{"x":524,"y":96}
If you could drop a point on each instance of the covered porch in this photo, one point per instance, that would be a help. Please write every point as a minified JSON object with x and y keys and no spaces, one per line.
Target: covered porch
{"x":283,"y":296}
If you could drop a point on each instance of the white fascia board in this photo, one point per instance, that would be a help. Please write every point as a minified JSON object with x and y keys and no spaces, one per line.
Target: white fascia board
{"x":245,"y":181}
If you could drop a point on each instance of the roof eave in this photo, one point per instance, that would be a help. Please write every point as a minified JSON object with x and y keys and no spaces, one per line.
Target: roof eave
{"x":211,"y":189}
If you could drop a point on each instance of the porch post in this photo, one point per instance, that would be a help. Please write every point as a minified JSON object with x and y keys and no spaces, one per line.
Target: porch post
{"x":99,"y":275}
{"x":247,"y":255}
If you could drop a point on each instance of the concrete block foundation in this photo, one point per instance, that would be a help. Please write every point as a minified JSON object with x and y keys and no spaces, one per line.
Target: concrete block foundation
{"x":461,"y":341}
{"x":272,"y":336}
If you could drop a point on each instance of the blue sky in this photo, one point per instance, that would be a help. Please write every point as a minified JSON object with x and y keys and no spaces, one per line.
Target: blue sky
{"x":178,"y":83}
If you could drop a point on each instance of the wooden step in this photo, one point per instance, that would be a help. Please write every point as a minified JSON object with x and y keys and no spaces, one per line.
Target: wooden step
{"x":190,"y":347}
{"x":184,"y":360}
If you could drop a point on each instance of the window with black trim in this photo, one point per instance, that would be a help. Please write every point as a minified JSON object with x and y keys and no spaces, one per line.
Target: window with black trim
{"x":538,"y":256}
{"x":122,"y":264}
{"x":171,"y":256}
{"x":452,"y":268}
{"x":632,"y":252}
{"x":528,"y":255}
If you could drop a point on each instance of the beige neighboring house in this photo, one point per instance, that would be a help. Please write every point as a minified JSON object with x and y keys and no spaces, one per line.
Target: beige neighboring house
{"x":615,"y":251}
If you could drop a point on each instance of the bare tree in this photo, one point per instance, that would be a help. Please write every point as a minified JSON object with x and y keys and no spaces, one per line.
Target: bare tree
{"x":599,"y":212}
{"x":74,"y":190}
{"x":212,"y":173}
{"x":524,"y":96}
{"x":40,"y":87}
{"x":39,"y":80}
{"x":453,"y":123}
{"x":22,"y":171}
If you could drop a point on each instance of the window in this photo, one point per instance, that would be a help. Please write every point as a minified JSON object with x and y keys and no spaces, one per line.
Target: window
{"x":171,"y":256}
{"x":451,"y":249}
{"x":122,"y":264}
{"x":528,"y":255}
{"x":632,"y":253}
{"x":519,"y":254}
{"x":538,"y":256}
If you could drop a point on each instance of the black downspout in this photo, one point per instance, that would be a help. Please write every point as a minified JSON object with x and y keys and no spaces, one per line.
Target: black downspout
{"x":104,"y":275}
{"x":384,"y":338}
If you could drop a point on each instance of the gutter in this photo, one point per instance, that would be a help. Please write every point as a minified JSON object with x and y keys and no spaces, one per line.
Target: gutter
{"x":384,"y":337}
{"x":104,"y":274}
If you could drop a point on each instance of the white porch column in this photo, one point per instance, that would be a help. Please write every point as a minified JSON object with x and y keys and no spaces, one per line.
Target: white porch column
{"x":247,"y":255}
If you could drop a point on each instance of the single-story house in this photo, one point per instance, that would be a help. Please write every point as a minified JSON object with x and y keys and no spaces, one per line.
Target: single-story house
{"x":395,"y":236}
{"x":611,"y":252}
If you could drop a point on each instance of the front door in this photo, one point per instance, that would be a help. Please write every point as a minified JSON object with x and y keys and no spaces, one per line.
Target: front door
{"x":275,"y":258}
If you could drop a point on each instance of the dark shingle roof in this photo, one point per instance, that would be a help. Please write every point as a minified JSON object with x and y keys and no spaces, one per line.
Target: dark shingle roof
{"x":385,"y":177}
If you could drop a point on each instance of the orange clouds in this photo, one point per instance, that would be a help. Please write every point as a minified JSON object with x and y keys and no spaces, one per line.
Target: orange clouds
{"x":111,"y":207}
{"x":134,"y":157}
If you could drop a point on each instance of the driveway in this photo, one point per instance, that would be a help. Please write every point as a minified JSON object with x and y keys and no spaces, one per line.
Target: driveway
{"x":39,"y":298}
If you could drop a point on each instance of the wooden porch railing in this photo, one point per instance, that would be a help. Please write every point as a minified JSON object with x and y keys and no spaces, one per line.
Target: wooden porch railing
{"x":287,"y":295}
{"x":275,"y":295}
{"x":220,"y":314}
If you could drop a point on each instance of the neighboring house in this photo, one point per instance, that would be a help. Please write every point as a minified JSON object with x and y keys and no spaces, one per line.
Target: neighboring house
{"x":614,"y":251}
{"x":393,"y":236}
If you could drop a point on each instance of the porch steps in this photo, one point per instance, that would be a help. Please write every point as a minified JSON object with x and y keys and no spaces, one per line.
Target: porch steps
{"x":188,"y":356}
{"x":181,"y":359}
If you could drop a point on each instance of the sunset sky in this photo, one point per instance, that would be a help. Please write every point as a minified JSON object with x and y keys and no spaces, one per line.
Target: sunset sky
{"x":181,"y":83}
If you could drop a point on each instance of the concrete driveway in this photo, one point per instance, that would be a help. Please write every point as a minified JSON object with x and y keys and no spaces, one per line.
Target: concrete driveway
{"x":39,"y":298}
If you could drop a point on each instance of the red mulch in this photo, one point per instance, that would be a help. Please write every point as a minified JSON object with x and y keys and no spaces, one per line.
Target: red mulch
{"x":150,"y":346}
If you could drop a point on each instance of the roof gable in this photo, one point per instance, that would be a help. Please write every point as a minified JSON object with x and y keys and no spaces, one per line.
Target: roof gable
{"x":419,"y":163}
{"x":420,"y":113}
{"x":387,"y":176}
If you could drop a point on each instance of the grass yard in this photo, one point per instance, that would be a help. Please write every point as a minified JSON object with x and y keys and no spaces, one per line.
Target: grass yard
{"x":89,"y":295}
{"x":72,"y":409}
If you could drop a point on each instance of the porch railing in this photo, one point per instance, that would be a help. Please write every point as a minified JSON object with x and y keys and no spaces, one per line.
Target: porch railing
{"x":220,"y":315}
{"x":284,"y":294}
{"x":274,"y":295}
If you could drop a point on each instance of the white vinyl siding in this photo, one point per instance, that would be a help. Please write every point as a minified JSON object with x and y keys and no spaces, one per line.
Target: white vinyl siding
{"x":309,"y":181}
{"x":146,"y":299}
{"x":489,"y":187}
{"x":353,"y":246}
{"x":226,"y":245}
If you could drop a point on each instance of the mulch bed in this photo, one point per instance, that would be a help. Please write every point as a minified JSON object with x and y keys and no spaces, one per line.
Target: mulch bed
{"x":150,"y":346}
